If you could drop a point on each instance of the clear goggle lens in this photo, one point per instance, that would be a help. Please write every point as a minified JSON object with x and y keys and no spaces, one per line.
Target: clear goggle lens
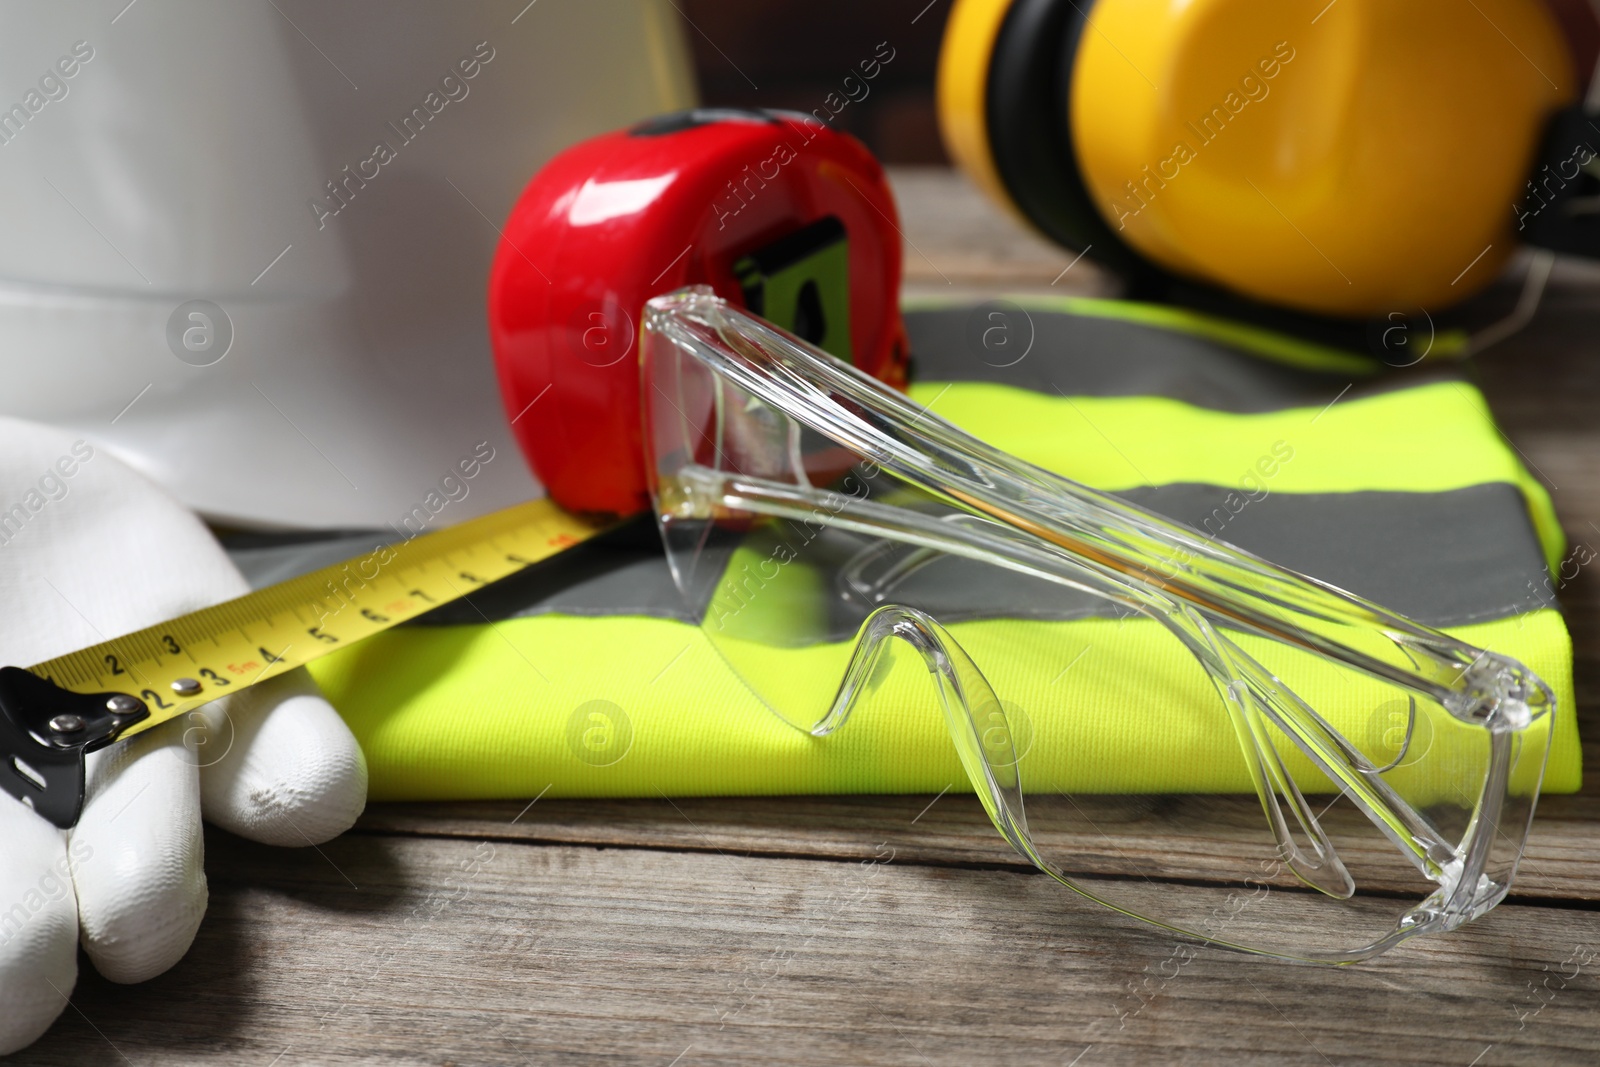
{"x":1180,"y":732}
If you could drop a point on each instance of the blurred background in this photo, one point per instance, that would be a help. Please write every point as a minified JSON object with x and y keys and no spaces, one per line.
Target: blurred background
{"x":793,"y":53}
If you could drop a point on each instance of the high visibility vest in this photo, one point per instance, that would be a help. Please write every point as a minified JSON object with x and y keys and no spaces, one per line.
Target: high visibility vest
{"x":590,"y":675}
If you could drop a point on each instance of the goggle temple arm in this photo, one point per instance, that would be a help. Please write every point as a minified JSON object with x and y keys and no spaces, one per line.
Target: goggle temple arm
{"x":1062,"y":531}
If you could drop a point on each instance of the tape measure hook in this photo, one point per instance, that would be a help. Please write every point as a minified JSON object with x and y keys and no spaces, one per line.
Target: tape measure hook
{"x":45,"y":731}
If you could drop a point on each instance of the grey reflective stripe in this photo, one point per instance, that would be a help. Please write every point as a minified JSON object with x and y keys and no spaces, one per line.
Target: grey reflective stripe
{"x":1441,"y":558}
{"x":1444,"y":559}
{"x":1080,"y":355}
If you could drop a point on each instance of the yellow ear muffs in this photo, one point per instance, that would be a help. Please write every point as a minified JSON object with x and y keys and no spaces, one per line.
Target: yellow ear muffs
{"x":1345,"y":159}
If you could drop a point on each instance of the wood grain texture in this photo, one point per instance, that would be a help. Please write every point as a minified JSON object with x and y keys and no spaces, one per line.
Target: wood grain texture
{"x":453,"y":950}
{"x":1562,"y":861}
{"x":862,"y":930}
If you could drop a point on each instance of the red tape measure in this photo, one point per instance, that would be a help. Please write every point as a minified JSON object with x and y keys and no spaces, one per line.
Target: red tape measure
{"x":775,"y":211}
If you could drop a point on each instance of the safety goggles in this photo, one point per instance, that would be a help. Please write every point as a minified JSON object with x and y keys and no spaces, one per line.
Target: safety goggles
{"x":1170,"y":726}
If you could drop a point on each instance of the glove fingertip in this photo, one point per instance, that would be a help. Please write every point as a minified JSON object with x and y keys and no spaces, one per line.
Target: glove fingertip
{"x":143,"y":949}
{"x":140,"y":857}
{"x":295,"y":777}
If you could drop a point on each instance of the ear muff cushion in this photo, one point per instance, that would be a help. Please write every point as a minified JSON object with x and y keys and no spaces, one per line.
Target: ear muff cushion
{"x":1033,"y":69}
{"x":1025,"y":115}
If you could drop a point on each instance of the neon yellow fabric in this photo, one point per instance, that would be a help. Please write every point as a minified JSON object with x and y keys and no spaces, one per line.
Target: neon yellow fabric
{"x":476,"y":711}
{"x":623,"y":706}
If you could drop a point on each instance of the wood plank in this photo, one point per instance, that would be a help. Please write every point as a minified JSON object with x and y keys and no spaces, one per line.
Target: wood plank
{"x":1562,"y":861}
{"x":428,"y":951}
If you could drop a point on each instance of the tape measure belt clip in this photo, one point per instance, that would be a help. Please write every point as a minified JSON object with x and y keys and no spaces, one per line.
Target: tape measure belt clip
{"x":45,"y":731}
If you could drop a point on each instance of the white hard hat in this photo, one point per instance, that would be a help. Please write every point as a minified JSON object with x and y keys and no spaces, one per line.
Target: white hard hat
{"x":246,"y":247}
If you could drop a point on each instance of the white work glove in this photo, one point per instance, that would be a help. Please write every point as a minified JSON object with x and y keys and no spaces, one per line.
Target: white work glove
{"x":86,"y":556}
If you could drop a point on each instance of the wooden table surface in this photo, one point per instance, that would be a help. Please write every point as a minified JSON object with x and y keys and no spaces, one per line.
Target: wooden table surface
{"x":875,"y":930}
